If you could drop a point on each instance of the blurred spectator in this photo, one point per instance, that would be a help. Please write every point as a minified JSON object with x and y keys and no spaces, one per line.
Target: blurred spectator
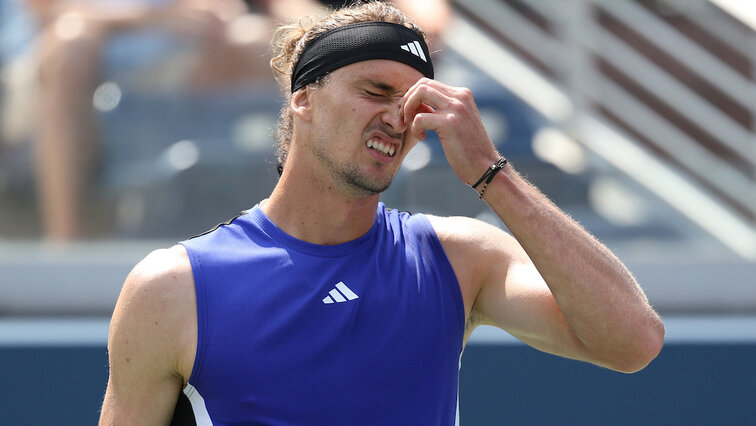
{"x":431,"y":15}
{"x":148,"y":45}
{"x":156,"y":45}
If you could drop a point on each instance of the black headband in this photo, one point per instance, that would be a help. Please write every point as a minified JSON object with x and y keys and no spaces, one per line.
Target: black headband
{"x":360,"y":42}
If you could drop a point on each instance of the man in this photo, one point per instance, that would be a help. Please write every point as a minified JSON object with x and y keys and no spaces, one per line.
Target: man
{"x":320,"y":306}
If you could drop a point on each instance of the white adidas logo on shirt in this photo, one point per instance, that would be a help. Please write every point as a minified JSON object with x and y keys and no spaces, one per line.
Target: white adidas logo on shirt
{"x":415,"y":49}
{"x":340,"y":294}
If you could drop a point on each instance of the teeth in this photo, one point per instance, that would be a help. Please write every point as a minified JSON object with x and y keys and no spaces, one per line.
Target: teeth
{"x":377,"y":145}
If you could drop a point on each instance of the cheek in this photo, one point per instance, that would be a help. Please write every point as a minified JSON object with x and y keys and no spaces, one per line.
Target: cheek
{"x":347,"y":120}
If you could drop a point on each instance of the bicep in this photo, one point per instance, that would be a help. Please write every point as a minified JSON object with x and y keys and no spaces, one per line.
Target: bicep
{"x":513,"y":296}
{"x":140,"y":390}
{"x":519,"y":302}
{"x":144,"y":379}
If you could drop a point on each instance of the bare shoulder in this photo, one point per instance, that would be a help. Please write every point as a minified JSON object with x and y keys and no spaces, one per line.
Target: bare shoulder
{"x":157,"y":308}
{"x":152,"y":340}
{"x":476,"y":251}
{"x":161,"y":283}
{"x":155,"y":317}
{"x":165,"y":271}
{"x":465,"y":236}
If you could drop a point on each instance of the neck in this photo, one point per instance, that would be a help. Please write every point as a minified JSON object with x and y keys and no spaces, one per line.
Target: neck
{"x":313,"y":211}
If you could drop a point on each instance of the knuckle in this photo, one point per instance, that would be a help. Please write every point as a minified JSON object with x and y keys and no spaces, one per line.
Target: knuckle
{"x":423,"y":89}
{"x":464,"y":95}
{"x":457,"y":105}
{"x":451,"y":116}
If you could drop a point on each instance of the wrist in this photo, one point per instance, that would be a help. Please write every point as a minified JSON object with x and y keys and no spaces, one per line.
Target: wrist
{"x":481,"y":184}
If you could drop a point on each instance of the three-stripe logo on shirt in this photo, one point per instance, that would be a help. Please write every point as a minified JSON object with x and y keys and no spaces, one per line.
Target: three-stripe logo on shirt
{"x":340,"y":294}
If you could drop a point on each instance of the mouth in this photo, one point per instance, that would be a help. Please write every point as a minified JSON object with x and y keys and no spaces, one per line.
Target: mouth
{"x":381,"y":147}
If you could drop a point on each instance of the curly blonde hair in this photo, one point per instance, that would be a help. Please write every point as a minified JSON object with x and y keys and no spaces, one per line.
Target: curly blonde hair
{"x":291,"y":40}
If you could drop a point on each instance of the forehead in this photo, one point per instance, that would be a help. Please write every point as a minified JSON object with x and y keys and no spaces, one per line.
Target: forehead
{"x":398,"y":75}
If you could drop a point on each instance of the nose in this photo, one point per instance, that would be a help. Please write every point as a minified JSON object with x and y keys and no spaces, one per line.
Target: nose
{"x":393,"y":118}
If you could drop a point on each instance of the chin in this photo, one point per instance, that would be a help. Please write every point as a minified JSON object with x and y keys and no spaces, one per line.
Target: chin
{"x":369,"y":187}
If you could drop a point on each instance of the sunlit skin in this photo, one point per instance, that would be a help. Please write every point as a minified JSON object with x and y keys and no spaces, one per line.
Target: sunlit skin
{"x":331,"y":183}
{"x":329,"y":158}
{"x":548,"y":283}
{"x":366,"y":97}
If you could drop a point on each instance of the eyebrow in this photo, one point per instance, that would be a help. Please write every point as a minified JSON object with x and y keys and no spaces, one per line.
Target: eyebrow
{"x":379,"y":85}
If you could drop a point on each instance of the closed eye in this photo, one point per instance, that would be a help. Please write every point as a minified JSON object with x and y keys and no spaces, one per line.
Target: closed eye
{"x":382,"y":97}
{"x":376,"y":89}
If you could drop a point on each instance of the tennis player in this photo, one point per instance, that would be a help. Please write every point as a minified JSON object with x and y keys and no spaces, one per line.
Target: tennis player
{"x":319,"y":305}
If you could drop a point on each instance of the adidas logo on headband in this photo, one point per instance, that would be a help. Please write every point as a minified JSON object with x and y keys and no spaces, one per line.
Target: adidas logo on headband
{"x":361,"y":41}
{"x":415,"y":49}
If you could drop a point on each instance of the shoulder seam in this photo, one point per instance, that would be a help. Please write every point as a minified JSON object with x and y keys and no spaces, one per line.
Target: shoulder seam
{"x":214,"y":228}
{"x":389,"y":210}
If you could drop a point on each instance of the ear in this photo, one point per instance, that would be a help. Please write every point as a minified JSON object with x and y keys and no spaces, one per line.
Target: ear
{"x":300,"y":103}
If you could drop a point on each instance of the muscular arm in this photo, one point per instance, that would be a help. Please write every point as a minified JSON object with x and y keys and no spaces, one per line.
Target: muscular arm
{"x":553,"y":285}
{"x":557,"y":289}
{"x":605,"y":316}
{"x":151,"y":342}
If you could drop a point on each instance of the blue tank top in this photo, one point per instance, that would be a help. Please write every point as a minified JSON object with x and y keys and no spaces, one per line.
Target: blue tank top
{"x":368,"y":332}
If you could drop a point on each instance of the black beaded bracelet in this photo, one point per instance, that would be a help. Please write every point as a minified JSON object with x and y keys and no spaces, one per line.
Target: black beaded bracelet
{"x":489,"y":175}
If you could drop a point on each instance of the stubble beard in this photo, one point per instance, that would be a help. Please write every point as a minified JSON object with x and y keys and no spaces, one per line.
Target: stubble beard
{"x":349,"y":179}
{"x":362,"y":185}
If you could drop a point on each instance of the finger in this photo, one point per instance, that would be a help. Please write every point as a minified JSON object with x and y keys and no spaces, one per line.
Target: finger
{"x":441,"y":87}
{"x":428,"y":83}
{"x":422,"y":95}
{"x":419,"y":135}
{"x":423,"y":122}
{"x":422,"y":109}
{"x":407,"y":94}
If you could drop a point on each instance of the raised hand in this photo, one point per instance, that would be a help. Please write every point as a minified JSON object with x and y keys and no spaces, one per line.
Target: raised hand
{"x":451,"y":113}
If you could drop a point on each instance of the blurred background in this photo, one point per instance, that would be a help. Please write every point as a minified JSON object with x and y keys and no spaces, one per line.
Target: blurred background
{"x":126,"y":126}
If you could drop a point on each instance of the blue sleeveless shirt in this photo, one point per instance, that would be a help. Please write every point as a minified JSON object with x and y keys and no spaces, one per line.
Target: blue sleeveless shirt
{"x":368,"y":332}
